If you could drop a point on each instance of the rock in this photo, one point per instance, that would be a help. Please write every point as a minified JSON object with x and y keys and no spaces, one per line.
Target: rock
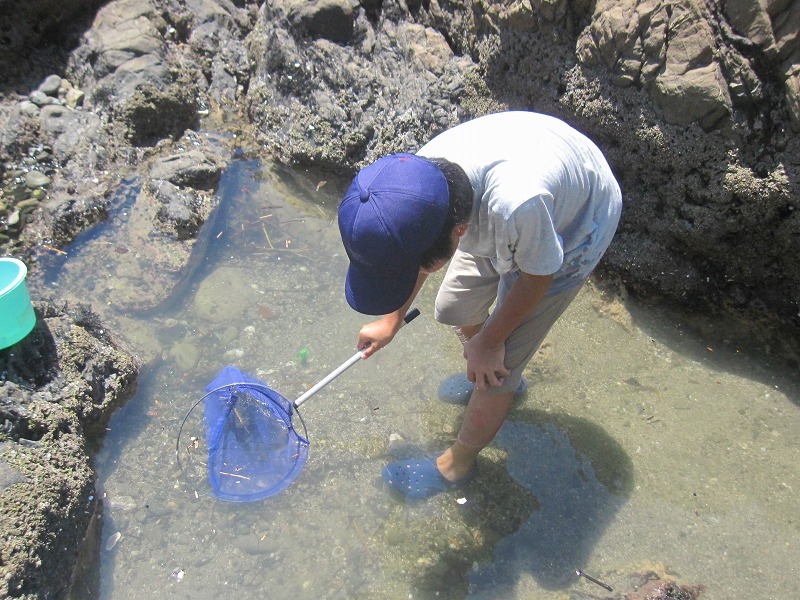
{"x":121,"y":503}
{"x":56,"y":119}
{"x":74,"y":97}
{"x":223,"y":296}
{"x":35,"y":179}
{"x":129,"y":27}
{"x":427,"y":46}
{"x":124,"y":51}
{"x":39,"y":98}
{"x":28,"y":108}
{"x":793,"y":95}
{"x":151,"y":114}
{"x":193,"y":168}
{"x":180,"y":211}
{"x":9,"y":475}
{"x":185,"y":355}
{"x":50,"y":85}
{"x":79,"y":377}
{"x":332,"y":20}
{"x":13,"y":219}
{"x":26,"y":206}
{"x":671,"y":53}
{"x":698,"y":95}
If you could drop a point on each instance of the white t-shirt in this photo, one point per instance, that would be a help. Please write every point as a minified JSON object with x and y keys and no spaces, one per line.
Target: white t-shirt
{"x":545,"y":200}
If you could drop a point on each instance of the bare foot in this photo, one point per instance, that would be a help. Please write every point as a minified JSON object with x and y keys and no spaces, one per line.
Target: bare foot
{"x":451,"y":469}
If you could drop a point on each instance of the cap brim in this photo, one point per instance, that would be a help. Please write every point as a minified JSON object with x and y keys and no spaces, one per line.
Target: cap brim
{"x":371,"y":295}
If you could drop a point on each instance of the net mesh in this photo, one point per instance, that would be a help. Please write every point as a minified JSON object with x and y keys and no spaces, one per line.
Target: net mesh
{"x":253,"y":449}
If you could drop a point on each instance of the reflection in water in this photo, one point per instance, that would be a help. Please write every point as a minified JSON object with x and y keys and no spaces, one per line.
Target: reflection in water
{"x":635,"y":449}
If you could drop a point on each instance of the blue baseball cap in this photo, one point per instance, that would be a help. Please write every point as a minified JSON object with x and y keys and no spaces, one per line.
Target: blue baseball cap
{"x":391,"y":215}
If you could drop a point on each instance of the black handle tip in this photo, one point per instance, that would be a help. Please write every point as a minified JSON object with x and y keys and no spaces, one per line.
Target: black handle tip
{"x":411,"y":315}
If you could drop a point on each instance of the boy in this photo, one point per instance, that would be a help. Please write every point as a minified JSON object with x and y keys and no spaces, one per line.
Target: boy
{"x":523,"y":206}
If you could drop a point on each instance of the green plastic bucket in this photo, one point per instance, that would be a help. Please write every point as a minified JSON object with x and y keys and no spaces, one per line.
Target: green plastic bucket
{"x":16,"y":311}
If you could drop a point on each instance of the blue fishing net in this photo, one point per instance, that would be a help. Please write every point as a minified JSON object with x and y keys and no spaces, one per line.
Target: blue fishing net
{"x":253,"y":450}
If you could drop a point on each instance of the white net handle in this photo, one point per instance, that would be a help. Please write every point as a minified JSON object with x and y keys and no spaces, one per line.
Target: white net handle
{"x":412,"y":314}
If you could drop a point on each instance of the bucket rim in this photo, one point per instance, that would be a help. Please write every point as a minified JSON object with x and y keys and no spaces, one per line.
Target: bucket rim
{"x":21,"y":273}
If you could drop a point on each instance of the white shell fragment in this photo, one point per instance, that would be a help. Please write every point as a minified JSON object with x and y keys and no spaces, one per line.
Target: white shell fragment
{"x":112,"y":540}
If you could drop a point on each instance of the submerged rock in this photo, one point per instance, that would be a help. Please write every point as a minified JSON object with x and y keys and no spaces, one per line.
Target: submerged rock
{"x":185,"y":355}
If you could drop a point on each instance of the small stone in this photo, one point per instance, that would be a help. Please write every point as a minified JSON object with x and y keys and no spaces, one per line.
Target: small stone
{"x":74,"y":98}
{"x":29,"y":205}
{"x":112,"y":540}
{"x":229,"y":335}
{"x":122,"y":503}
{"x":35,"y":179}
{"x":41,"y":99}
{"x":28,"y":108}
{"x":185,"y":355}
{"x":50,"y":85}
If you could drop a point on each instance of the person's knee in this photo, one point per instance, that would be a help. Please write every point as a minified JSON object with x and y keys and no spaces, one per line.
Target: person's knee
{"x":466,"y":332}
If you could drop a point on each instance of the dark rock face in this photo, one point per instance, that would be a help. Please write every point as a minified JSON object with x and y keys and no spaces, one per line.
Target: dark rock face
{"x":696,"y":104}
{"x":59,"y":387}
{"x":698,"y":120}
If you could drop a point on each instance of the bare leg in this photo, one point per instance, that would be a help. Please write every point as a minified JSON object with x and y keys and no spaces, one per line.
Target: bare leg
{"x":484,"y":417}
{"x":482,"y":420}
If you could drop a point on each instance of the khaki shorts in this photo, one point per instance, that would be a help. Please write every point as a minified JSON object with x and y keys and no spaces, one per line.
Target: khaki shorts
{"x":470,"y":288}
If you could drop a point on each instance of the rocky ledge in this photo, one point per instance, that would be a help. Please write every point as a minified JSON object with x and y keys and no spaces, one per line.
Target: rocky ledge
{"x":58,"y":389}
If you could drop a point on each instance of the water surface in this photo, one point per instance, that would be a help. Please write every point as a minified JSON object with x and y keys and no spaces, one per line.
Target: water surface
{"x":640,"y":447}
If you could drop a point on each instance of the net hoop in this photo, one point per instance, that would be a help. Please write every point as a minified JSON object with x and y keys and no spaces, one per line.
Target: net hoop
{"x":277,"y":404}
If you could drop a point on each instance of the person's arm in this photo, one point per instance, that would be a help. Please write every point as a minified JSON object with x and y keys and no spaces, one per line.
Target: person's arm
{"x":377,"y":334}
{"x":485,"y":351}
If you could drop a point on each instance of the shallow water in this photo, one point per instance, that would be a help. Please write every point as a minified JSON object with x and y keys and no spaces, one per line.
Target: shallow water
{"x":640,"y":447}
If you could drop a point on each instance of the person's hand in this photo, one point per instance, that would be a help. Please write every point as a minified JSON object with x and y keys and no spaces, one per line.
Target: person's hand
{"x":485,"y":362}
{"x":374,"y":336}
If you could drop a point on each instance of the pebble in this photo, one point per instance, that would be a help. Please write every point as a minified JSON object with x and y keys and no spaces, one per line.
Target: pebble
{"x":55,"y":119}
{"x":28,"y":108}
{"x":41,"y":99}
{"x":74,"y":98}
{"x":228,"y":335}
{"x":122,"y":503}
{"x":185,"y":355}
{"x":112,"y":540}
{"x":29,"y":205}
{"x":35,"y":179}
{"x":50,"y":85}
